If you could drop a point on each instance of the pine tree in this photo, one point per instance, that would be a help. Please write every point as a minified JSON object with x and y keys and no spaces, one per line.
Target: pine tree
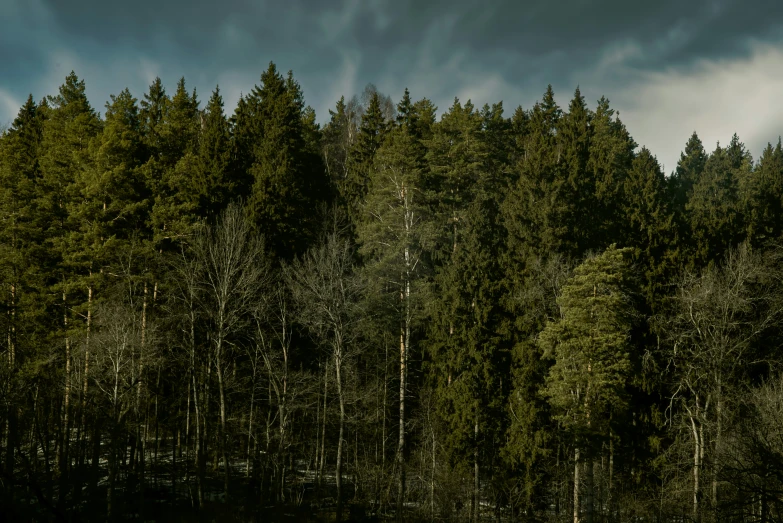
{"x":338,"y":137}
{"x":689,"y":169}
{"x":576,"y":198}
{"x":24,"y":299}
{"x":648,"y":223}
{"x":590,"y":347}
{"x":498,"y":133}
{"x":533,"y":210}
{"x":468,"y":353}
{"x":457,"y":159}
{"x":532,"y":268}
{"x":152,"y":114}
{"x":171,"y":181}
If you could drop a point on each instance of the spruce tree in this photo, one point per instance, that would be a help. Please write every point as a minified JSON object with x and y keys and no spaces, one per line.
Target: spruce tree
{"x":171,"y":182}
{"x":648,"y":223}
{"x":287,"y":184}
{"x":532,"y":267}
{"x":214,"y":184}
{"x":714,"y":211}
{"x":370,"y":138}
{"x":576,"y":197}
{"x":71,"y":126}
{"x":24,"y":298}
{"x":762,"y":197}
{"x":611,"y":155}
{"x":338,"y":136}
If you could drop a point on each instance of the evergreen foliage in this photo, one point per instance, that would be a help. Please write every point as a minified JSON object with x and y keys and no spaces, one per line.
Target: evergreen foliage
{"x":463,"y":315}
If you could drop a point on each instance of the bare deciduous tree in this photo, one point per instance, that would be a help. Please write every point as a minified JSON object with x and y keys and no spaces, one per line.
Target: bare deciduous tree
{"x":235,"y":271}
{"x":717,"y":318}
{"x":327,"y":292}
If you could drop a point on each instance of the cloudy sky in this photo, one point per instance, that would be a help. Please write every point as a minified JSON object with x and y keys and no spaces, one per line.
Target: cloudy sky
{"x":670,"y":67}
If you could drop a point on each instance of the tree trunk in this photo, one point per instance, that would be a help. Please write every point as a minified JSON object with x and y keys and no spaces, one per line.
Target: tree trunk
{"x":577,"y":479}
{"x":696,"y":470}
{"x":250,"y":424}
{"x":323,"y":431}
{"x":10,"y":444}
{"x":401,"y":440}
{"x":476,"y":485}
{"x":339,"y":466}
{"x":589,"y":490}
{"x":716,"y":452}
{"x":222,"y":435}
{"x":64,"y":461}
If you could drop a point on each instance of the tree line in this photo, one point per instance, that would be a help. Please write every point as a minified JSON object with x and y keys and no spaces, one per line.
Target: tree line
{"x":393,"y":315}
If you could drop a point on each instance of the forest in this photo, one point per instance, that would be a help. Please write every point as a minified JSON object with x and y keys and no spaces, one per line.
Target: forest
{"x":403,"y":313}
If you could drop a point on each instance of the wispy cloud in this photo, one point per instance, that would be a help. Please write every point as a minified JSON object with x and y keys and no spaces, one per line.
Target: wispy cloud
{"x":669,"y":67}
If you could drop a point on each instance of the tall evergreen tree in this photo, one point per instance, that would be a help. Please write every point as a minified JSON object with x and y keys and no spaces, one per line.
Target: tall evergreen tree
{"x":611,"y":155}
{"x":648,"y":223}
{"x":172,"y":179}
{"x":369,"y":139}
{"x":285,"y":188}
{"x":214,"y":184}
{"x":714,"y":209}
{"x":576,"y":198}
{"x":762,"y":196}
{"x":532,"y":267}
{"x":590,"y":348}
{"x":24,"y":299}
{"x":71,"y":126}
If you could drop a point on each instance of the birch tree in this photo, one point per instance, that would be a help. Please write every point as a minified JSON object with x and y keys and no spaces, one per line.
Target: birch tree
{"x":236,"y":269}
{"x":394,"y":236}
{"x":328,"y":291}
{"x":711,"y":333}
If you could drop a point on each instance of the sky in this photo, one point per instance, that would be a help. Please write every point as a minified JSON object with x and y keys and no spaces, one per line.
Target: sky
{"x":670,"y":67}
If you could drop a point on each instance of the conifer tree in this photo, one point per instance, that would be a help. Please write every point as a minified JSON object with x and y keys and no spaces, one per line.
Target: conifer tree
{"x":762,"y":197}
{"x":532,"y":267}
{"x":714,"y":210}
{"x":175,"y":194}
{"x":576,"y":198}
{"x":152,"y":112}
{"x":611,"y":155}
{"x":590,"y":347}
{"x":338,"y":137}
{"x":468,"y":352}
{"x":648,"y":222}
{"x":689,"y":169}
{"x":69,"y":129}
{"x":286,"y":186}
{"x":369,"y":139}
{"x":394,"y":237}
{"x":533,"y":210}
{"x":214,"y":184}
{"x":457,"y":159}
{"x":23,"y":301}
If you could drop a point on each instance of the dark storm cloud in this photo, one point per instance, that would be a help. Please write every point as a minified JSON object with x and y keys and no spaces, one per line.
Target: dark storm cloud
{"x":440,"y":49}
